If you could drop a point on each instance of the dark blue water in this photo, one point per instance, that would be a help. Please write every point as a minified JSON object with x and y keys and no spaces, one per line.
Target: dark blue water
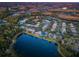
{"x":30,"y":46}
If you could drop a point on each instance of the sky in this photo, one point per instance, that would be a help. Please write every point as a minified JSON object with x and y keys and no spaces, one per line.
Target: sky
{"x":53,"y":4}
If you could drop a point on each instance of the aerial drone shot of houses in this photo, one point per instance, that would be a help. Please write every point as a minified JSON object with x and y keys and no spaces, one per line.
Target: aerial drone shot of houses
{"x":39,"y":29}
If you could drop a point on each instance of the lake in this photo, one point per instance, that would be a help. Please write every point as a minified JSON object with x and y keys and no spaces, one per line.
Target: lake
{"x":30,"y":46}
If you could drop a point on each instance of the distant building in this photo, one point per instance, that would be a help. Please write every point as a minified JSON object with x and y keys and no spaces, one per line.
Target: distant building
{"x":22,"y":27}
{"x":3,"y":9}
{"x":54,"y":26}
{"x":22,"y":22}
{"x":15,"y":14}
{"x":13,"y":9}
{"x":45,"y":24}
{"x":73,"y":28}
{"x":63,"y":29}
{"x":2,"y":22}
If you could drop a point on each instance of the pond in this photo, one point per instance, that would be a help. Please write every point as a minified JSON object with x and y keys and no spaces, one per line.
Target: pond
{"x":30,"y":46}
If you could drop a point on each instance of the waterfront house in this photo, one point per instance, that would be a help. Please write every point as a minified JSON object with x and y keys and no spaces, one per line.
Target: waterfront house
{"x":43,"y":33}
{"x":30,"y":30}
{"x":50,"y":35}
{"x":38,"y":33}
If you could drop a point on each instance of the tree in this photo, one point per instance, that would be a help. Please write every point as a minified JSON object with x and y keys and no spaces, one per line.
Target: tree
{"x":4,"y":13}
